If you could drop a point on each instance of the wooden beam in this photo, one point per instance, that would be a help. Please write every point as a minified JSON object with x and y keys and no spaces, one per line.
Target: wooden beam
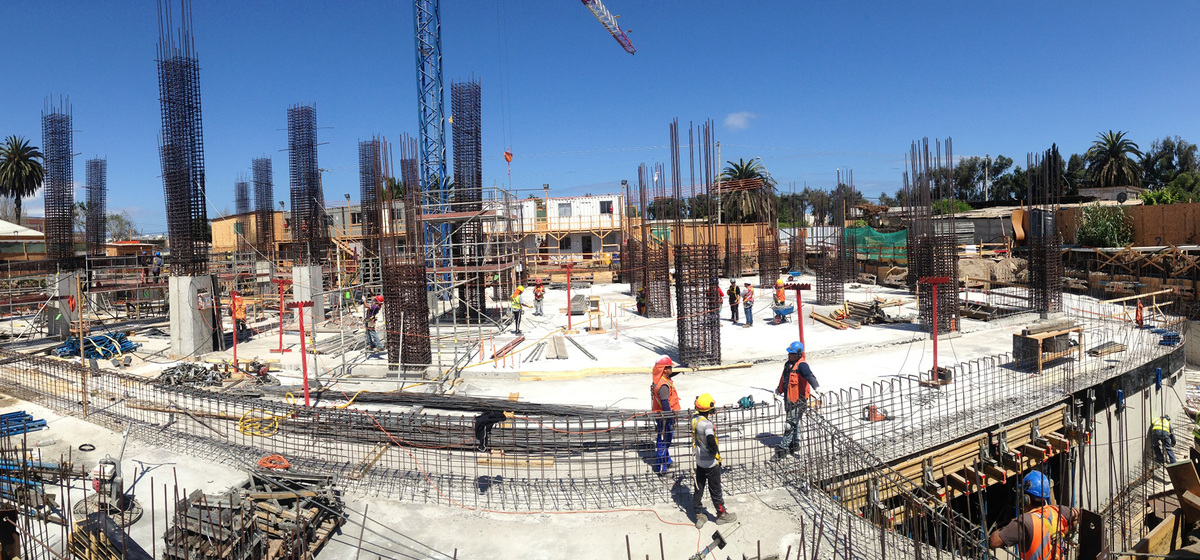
{"x":1186,"y":484}
{"x":1136,"y":296}
{"x":1166,"y":537}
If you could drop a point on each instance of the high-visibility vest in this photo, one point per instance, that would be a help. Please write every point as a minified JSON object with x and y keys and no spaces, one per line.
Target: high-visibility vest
{"x":539,"y":292}
{"x":696,"y":442}
{"x":659,"y":381}
{"x":1046,"y":541}
{"x":516,"y":301}
{"x":1161,"y":425}
{"x":239,"y":309}
{"x":748,"y":296}
{"x":797,"y":385}
{"x":780,"y":295}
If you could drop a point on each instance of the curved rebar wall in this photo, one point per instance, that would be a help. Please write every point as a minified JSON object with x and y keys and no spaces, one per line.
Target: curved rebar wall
{"x":602,"y":459}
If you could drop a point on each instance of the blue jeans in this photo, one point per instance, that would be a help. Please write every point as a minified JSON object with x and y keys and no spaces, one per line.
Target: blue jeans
{"x":372,"y":339}
{"x":665,"y":433}
{"x":749,"y":315}
{"x":1161,"y":442}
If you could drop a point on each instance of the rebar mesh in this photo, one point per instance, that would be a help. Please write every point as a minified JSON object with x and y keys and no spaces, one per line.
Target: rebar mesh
{"x":182,"y":144}
{"x":264,"y":205}
{"x":932,"y":243}
{"x":241,"y":204}
{"x":768,"y":261}
{"x":831,"y":276}
{"x":733,"y":251}
{"x":96,"y":176}
{"x":797,"y":252}
{"x":310,"y":235}
{"x":60,"y":185}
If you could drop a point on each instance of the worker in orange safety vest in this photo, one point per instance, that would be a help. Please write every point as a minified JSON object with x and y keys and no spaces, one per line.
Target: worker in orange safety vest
{"x":796,"y":385}
{"x":1041,"y":531}
{"x":237,"y":308}
{"x":663,"y":398}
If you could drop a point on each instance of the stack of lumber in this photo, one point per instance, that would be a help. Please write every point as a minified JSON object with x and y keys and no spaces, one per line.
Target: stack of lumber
{"x":217,"y":527}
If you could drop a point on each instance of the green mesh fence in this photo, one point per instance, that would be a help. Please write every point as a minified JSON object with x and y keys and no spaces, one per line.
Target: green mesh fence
{"x":875,"y":245}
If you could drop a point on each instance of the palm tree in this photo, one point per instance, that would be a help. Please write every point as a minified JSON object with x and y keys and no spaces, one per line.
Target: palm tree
{"x":1111,"y":160}
{"x":21,"y":171}
{"x":746,"y":205}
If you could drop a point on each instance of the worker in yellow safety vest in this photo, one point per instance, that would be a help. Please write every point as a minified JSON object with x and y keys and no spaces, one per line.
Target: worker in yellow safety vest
{"x":516,"y":309}
{"x":1162,"y":440}
{"x":1041,"y":531}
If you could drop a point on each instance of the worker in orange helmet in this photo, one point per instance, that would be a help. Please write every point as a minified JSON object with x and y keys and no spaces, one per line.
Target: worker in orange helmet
{"x":539,"y":293}
{"x":663,"y":398}
{"x":237,"y":307}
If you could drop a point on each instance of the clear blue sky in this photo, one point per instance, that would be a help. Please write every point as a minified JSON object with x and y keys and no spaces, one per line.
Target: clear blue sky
{"x":819,"y":85}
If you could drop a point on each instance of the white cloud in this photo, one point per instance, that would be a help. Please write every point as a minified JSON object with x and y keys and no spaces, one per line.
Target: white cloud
{"x":740,"y":120}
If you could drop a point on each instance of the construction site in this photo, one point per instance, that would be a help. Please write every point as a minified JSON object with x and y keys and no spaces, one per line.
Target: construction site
{"x":220,"y":397}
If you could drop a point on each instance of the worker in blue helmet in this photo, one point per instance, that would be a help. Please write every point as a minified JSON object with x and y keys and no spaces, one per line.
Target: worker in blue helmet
{"x":795,"y":385}
{"x":156,"y":266}
{"x":1041,"y":530}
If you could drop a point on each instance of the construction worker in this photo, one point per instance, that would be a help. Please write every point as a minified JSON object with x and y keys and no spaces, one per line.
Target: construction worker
{"x":779,"y":301}
{"x":369,"y":317}
{"x":1162,"y":439}
{"x":708,"y":462}
{"x":156,"y":266}
{"x":663,"y":398}
{"x":539,"y":292}
{"x":1041,"y":531}
{"x":748,"y":304}
{"x":796,"y":386}
{"x":641,"y":301}
{"x":714,"y":300}
{"x":237,"y":308}
{"x":517,"y":306}
{"x":734,"y":299}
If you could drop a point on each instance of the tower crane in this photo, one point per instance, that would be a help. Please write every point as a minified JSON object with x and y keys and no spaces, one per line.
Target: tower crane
{"x":609,"y":22}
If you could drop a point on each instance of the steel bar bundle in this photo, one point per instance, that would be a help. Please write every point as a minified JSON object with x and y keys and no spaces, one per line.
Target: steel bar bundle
{"x":182,"y":149}
{"x":264,"y":205}
{"x":60,"y":187}
{"x":696,"y":264}
{"x":96,"y":175}
{"x":932,"y":243}
{"x":369,"y":186}
{"x":241,"y":204}
{"x":1044,"y":178}
{"x":310,"y":236}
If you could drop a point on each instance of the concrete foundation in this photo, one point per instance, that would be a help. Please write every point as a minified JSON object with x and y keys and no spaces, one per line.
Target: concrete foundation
{"x":192,"y":317}
{"x":60,"y":315}
{"x":307,"y":282}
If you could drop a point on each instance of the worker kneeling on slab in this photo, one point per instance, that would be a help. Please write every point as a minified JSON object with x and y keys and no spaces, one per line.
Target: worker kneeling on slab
{"x":708,"y":462}
{"x":1040,"y":532}
{"x":796,"y":386}
{"x":663,"y":398}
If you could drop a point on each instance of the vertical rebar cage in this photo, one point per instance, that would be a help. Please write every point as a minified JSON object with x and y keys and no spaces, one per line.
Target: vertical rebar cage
{"x":182,"y":143}
{"x":698,"y":326}
{"x":310,"y":236}
{"x":241,"y":203}
{"x":96,"y":177}
{"x":60,"y":187}
{"x":369,"y":183}
{"x":264,"y":205}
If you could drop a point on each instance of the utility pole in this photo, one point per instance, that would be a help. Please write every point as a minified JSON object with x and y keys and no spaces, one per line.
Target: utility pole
{"x":987,"y":168}
{"x":718,"y":183}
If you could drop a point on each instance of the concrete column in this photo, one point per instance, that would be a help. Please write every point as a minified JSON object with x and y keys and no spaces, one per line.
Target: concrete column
{"x":307,"y":282}
{"x":262,"y":278}
{"x":192,"y":318}
{"x":59,"y":316}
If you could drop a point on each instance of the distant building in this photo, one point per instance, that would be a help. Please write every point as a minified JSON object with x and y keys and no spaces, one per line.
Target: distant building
{"x":571,"y":228}
{"x":1120,"y":194}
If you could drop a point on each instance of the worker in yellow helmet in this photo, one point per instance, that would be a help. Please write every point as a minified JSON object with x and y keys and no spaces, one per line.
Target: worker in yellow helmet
{"x":708,"y":462}
{"x":517,"y":305}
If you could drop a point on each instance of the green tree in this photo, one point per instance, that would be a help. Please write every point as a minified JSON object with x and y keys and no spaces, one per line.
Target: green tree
{"x":121,"y":226}
{"x":844,"y":198}
{"x":1076,"y":175}
{"x":1105,"y":226}
{"x":1011,"y":186}
{"x":1166,"y":159}
{"x":821,"y":204}
{"x":21,"y":171}
{"x":1111,"y":161}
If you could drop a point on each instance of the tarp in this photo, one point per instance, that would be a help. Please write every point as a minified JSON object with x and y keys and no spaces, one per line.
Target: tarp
{"x":879,"y":246}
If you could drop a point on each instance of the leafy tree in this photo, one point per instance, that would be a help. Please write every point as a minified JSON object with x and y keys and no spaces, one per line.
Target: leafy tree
{"x":1055,"y":160}
{"x":886,"y":200}
{"x":821,"y":204}
{"x":1076,"y":175}
{"x":948,"y":205}
{"x":21,"y":171}
{"x":79,"y":216}
{"x":1166,"y":159}
{"x":1111,"y":160}
{"x":1105,"y":226}
{"x":121,"y":226}
{"x":844,"y":198}
{"x":1187,"y":182}
{"x":1011,"y":186}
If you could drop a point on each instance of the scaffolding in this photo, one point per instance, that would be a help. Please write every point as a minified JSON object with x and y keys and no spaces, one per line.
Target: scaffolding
{"x":60,"y":184}
{"x":182,"y":142}
{"x":96,"y":175}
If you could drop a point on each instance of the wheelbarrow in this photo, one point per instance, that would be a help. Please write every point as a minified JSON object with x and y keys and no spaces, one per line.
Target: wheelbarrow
{"x":781,"y":313}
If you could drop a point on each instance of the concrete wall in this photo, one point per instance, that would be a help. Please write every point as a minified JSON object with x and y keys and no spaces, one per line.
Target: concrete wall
{"x":192,"y":319}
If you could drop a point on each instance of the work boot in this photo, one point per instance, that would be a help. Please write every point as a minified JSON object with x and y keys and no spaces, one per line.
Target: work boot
{"x":794,"y":447}
{"x":724,"y":517}
{"x":700,"y":515}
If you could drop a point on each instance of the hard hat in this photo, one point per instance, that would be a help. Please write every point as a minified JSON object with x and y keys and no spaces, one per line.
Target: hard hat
{"x":235,"y":293}
{"x":539,"y":281}
{"x":379,"y":298}
{"x":520,"y":289}
{"x":747,"y":283}
{"x":665,"y":361}
{"x":1037,"y":485}
{"x":795,"y":348}
{"x":705,"y":403}
{"x":158,"y":253}
{"x":779,"y":281}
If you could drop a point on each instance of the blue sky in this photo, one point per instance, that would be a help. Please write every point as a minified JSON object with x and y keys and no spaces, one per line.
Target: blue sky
{"x":809,"y":87}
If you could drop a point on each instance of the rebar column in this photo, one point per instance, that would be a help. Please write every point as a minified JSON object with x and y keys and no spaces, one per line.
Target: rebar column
{"x":241,"y":204}
{"x":831,"y":286}
{"x":768,"y":261}
{"x":96,"y":176}
{"x":1045,"y":239}
{"x":182,"y":149}
{"x":264,"y":205}
{"x":733,"y":250}
{"x":698,"y":325}
{"x":369,"y":185}
{"x":310,"y":236}
{"x":467,"y":239}
{"x":59,"y":182}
